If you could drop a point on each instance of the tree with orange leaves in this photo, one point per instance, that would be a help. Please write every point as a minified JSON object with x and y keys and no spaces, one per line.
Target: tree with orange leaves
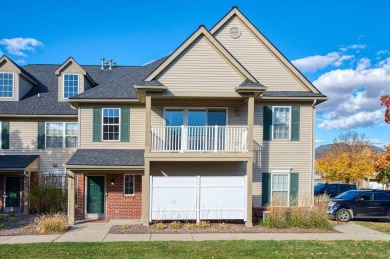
{"x":381,"y":163}
{"x":347,"y":161}
{"x":385,"y":101}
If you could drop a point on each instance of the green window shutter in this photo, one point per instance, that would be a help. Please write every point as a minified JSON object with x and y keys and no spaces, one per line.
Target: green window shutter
{"x":295,"y":118}
{"x":294,"y":186}
{"x":267,"y":123}
{"x":5,"y":135}
{"x":125,"y":125}
{"x":97,"y":125}
{"x":41,"y":135}
{"x":266,"y":189}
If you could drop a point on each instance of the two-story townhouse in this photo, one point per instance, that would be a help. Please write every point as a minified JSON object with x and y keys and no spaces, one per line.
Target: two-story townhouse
{"x":215,"y":129}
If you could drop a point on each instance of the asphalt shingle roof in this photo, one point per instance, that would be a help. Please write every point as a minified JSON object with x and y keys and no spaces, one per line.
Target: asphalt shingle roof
{"x":108,"y":157}
{"x":16,"y":161}
{"x":292,"y":94}
{"x":326,"y":148}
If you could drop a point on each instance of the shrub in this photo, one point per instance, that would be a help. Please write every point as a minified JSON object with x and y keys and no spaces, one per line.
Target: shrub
{"x":190,"y":226}
{"x":175,"y":225}
{"x":204,"y":224}
{"x":51,"y":224}
{"x":160,"y":226}
{"x":125,"y":227}
{"x":46,"y":197}
{"x":222,"y":226}
{"x":1,"y":223}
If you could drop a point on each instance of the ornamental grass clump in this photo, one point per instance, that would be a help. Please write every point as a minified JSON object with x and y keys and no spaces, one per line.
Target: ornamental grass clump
{"x":51,"y":224}
{"x":304,"y":216}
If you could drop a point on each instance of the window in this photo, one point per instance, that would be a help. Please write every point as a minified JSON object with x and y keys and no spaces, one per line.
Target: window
{"x":55,"y":179}
{"x":280,"y":189}
{"x":365,"y":197}
{"x":281,"y":119}
{"x":111,"y":123}
{"x":71,"y":85}
{"x":379,"y":196}
{"x":128,"y":184}
{"x":6,"y":85}
{"x":61,"y":134}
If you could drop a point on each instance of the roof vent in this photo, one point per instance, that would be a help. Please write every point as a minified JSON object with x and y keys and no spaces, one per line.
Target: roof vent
{"x":39,"y":95}
{"x":111,"y":64}
{"x":235,"y":32}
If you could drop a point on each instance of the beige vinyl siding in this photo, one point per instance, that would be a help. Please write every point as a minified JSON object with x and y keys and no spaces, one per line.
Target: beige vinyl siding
{"x":282,"y":153}
{"x":197,"y":168}
{"x":23,"y":140}
{"x":137,"y":129}
{"x":72,"y":68}
{"x":7,"y":67}
{"x":257,"y":59}
{"x":201,"y":68}
{"x":24,"y":87}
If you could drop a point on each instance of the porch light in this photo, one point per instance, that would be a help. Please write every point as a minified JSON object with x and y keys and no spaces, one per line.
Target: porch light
{"x":237,"y":111}
{"x":112,"y":181}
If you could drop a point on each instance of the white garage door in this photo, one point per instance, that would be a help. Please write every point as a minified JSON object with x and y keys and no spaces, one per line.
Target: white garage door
{"x":198,"y":198}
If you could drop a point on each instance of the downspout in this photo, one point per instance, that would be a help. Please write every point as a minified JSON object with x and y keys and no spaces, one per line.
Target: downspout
{"x":27,"y":195}
{"x":312,"y":153}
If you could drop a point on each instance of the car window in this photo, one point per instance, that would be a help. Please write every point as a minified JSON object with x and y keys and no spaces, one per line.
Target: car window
{"x":348,"y":195}
{"x":318,"y":187}
{"x":365,"y":197}
{"x":331,"y":189}
{"x":379,"y":196}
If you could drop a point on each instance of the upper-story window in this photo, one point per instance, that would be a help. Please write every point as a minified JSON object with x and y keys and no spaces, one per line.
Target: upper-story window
{"x":281,"y":122}
{"x":6,"y":85}
{"x":111,"y":124}
{"x":61,"y":134}
{"x":71,"y":85}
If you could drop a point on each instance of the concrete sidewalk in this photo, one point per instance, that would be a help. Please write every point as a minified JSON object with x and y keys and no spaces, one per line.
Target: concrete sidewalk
{"x":98,"y":232}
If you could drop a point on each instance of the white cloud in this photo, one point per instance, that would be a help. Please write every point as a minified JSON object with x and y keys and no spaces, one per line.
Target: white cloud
{"x":18,"y":46}
{"x":354,"y":95}
{"x":1,"y":53}
{"x":319,"y":140}
{"x":381,"y":52}
{"x":377,"y":142}
{"x":317,"y":62}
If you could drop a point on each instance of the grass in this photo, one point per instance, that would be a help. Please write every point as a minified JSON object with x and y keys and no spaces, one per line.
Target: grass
{"x":204,"y":249}
{"x":378,"y":226}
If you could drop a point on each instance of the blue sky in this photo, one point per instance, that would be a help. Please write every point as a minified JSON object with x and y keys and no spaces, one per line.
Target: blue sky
{"x":342,"y":46}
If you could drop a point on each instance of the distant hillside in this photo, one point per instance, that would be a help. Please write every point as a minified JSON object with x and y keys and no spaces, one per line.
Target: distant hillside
{"x":326,"y":148}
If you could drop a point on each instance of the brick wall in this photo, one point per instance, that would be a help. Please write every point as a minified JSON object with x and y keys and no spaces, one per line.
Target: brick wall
{"x":1,"y":192}
{"x":118,"y":206}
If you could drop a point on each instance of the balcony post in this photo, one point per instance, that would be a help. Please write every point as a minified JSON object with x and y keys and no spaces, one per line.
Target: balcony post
{"x":216,"y":138}
{"x":249,"y":164}
{"x":146,"y":175}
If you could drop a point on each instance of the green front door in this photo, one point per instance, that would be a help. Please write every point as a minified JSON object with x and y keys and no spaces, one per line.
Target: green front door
{"x":95,"y":195}
{"x":12,"y":192}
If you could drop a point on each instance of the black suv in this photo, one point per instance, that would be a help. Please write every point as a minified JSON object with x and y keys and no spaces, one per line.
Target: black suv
{"x":332,"y":189}
{"x":360,"y":204}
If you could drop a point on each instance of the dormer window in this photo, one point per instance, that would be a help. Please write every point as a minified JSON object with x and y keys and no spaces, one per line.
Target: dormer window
{"x":6,"y":85}
{"x":71,"y":85}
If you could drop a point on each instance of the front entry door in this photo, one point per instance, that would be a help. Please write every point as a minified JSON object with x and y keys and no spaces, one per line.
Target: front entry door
{"x":95,"y":197}
{"x":12,"y":194}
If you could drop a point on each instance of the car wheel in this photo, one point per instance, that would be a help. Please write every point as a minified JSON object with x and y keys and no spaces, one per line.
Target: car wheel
{"x":343,"y":215}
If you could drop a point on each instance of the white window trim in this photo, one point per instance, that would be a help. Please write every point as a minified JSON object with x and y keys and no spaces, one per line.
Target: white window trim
{"x":56,"y":172}
{"x":282,"y":171}
{"x":13,"y":85}
{"x":63,"y":134}
{"x":124,"y":184}
{"x":289,"y":128}
{"x":63,"y":84}
{"x":186,"y":109}
{"x":119,"y":124}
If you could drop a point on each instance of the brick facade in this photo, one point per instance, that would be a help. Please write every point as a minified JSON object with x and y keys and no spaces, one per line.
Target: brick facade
{"x":118,"y":206}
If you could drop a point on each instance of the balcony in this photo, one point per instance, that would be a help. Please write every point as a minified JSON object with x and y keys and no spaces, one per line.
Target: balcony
{"x":199,"y":139}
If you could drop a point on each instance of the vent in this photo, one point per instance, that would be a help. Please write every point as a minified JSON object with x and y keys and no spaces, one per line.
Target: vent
{"x":235,"y":32}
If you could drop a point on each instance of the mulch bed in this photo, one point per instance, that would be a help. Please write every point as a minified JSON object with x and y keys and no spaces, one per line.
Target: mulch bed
{"x":230,"y":228}
{"x":18,"y":224}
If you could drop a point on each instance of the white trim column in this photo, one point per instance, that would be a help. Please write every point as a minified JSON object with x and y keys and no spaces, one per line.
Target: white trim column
{"x":71,"y":198}
{"x":249,"y":164}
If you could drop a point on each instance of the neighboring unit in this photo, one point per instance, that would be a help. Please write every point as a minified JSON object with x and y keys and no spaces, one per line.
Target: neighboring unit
{"x":211,"y":132}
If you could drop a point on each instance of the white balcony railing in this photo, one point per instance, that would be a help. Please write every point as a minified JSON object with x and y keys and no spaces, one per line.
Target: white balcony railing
{"x":206,"y":139}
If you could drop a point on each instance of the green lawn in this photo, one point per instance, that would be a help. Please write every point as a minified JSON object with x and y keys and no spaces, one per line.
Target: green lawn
{"x":204,"y":249}
{"x":378,"y":226}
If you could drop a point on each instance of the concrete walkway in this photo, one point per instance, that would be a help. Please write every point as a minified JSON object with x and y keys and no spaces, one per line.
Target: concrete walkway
{"x":98,"y":232}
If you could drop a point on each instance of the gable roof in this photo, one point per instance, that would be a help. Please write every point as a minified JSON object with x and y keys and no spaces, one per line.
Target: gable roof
{"x":201,"y":31}
{"x":236,"y":12}
{"x":20,"y":70}
{"x":326,"y":148}
{"x":70,"y":60}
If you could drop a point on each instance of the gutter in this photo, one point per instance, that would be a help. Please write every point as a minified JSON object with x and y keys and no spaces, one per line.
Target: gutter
{"x":313,"y":123}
